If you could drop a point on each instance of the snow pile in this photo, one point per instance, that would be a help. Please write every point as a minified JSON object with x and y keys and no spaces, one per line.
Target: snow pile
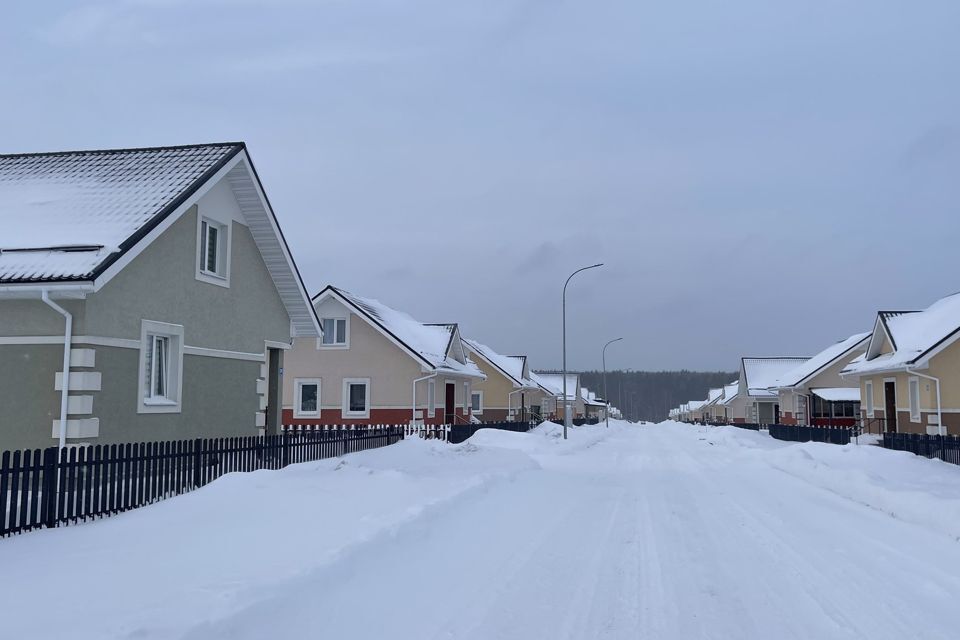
{"x":898,"y":483}
{"x":157,"y":571}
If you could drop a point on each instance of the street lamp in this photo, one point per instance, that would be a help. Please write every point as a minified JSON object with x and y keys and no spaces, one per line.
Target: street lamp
{"x":567,"y":420}
{"x":606,"y":398}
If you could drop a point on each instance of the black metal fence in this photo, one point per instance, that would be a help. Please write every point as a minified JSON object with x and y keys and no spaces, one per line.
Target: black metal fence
{"x":946,"y":448}
{"x":50,"y":487}
{"x":751,"y":426}
{"x":803,"y":433}
{"x":460,"y":432}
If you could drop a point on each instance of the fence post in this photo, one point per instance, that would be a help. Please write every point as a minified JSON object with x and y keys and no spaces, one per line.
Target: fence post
{"x":50,"y":487}
{"x":197,"y":455}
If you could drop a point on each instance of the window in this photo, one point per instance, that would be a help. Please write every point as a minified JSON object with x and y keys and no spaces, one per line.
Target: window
{"x":914,"y":387}
{"x":356,"y":397}
{"x":161,"y":363}
{"x":307,"y":398}
{"x":432,"y":397}
{"x":213,"y":252}
{"x":476,"y":402}
{"x":868,"y":397}
{"x":334,"y":332}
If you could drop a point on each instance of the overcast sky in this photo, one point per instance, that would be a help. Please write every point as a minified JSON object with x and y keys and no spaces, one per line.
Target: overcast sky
{"x":759,"y":177}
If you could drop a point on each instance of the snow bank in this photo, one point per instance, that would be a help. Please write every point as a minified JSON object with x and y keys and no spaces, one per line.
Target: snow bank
{"x":905,"y":486}
{"x":156,"y":571}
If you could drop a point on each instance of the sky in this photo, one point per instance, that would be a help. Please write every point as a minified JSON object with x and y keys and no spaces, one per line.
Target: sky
{"x":758,"y":178}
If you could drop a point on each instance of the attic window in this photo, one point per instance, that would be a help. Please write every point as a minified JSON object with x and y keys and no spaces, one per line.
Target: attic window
{"x":213,"y":252}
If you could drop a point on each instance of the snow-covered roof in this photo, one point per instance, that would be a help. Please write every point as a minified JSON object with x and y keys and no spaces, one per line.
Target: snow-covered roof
{"x":915,"y":336}
{"x":829,"y":356}
{"x":714,"y":395}
{"x":693,"y":405}
{"x":730,"y":392}
{"x":66,"y":215}
{"x":554,"y":383}
{"x":762,"y":373}
{"x":511,"y":366}
{"x":590,"y":398}
{"x":434,"y":344}
{"x":838,"y":394}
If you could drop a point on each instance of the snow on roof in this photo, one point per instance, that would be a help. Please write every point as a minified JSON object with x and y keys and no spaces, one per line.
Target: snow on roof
{"x":730,"y":392}
{"x":693,"y":405}
{"x":825,"y":358}
{"x":554,"y":382}
{"x":838,"y":394}
{"x":713,"y":395}
{"x":511,"y":366}
{"x":914,"y":335}
{"x":430,"y":341}
{"x":64,"y":214}
{"x":762,"y":373}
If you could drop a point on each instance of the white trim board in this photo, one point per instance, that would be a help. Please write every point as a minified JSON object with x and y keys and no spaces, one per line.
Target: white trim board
{"x":126,"y":343}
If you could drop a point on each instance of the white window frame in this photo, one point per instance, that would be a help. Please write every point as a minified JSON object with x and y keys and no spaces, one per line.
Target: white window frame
{"x":868,"y":396}
{"x":477,"y":392}
{"x":913,"y":383}
{"x":346,"y":333}
{"x":173,"y":401}
{"x":298,"y":384}
{"x":432,"y":398}
{"x":345,"y":406}
{"x":221,"y":277}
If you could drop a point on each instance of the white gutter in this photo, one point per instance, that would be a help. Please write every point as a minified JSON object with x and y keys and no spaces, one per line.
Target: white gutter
{"x":65,"y":386}
{"x":939,"y":407}
{"x":510,"y":401}
{"x":413,"y":409}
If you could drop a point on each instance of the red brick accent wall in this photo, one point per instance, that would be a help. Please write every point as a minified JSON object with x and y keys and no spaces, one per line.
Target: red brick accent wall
{"x":377,"y":416}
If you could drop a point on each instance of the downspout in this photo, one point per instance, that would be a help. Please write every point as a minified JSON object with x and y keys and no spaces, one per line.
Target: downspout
{"x":67,"y":340}
{"x":510,"y":401}
{"x":939,"y":408}
{"x":413,"y":408}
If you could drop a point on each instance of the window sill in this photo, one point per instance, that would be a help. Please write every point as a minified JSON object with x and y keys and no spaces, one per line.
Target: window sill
{"x":212,"y":278}
{"x":306,"y":415}
{"x":321,"y":346}
{"x":159,"y":402}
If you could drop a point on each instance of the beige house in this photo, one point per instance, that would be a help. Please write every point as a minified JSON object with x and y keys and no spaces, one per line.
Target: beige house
{"x":508,"y":393}
{"x":376,"y":365}
{"x":553,"y":383}
{"x":909,"y":377}
{"x":594,"y":408}
{"x":813,"y":393}
{"x":757,"y":379}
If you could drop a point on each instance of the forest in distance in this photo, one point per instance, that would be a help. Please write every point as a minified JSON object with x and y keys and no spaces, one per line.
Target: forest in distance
{"x":649,"y":395}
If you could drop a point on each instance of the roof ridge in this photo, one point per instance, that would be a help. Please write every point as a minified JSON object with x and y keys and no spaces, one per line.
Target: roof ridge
{"x":76,"y":152}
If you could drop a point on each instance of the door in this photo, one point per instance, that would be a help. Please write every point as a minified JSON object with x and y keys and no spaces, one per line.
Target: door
{"x":890,"y":405}
{"x":450,"y":404}
{"x":776,"y":414}
{"x":273,"y":416}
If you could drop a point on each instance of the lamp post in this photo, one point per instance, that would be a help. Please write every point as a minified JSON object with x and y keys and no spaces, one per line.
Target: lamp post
{"x":567,"y":420}
{"x":606,"y":398}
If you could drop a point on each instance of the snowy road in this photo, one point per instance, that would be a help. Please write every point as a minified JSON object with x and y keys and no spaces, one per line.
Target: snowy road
{"x":648,"y":534}
{"x":637,"y":532}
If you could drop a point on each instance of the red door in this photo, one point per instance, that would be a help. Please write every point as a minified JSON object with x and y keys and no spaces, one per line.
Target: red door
{"x":890,"y":407}
{"x":450,"y":404}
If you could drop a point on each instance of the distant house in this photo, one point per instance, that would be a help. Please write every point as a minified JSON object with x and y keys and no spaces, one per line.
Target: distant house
{"x":377,"y":365}
{"x":713,"y":409}
{"x":554,"y":382}
{"x":693,"y":412}
{"x":813,"y":393}
{"x":909,"y":376}
{"x":594,"y":408}
{"x":729,"y":404}
{"x":757,"y":378}
{"x":145,"y":294}
{"x":508,"y":393}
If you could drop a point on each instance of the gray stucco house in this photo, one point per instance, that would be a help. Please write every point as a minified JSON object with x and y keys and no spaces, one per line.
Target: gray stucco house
{"x":159,"y":280}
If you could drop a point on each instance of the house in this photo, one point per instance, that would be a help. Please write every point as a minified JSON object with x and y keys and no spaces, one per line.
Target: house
{"x":158,"y":280}
{"x":694,"y":413}
{"x":713,"y":409}
{"x":594,"y":408}
{"x":757,"y":376}
{"x":377,"y":365}
{"x":554,"y":382}
{"x":813,"y":393}
{"x":909,"y":376}
{"x":508,"y":393}
{"x":729,"y":406}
